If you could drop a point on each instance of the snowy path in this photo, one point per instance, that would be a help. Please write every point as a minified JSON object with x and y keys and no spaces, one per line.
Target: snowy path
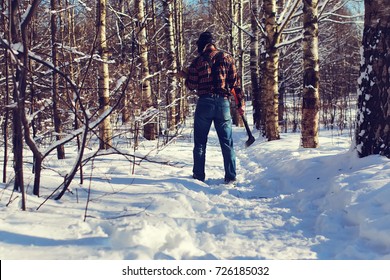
{"x":259,"y":223}
{"x":290,"y":203}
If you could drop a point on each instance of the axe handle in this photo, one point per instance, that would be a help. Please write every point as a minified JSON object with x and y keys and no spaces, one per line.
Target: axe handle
{"x":248,"y":130}
{"x":235,"y":95}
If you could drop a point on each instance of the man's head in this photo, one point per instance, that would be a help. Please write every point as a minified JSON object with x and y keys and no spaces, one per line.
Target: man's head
{"x":205,"y":38}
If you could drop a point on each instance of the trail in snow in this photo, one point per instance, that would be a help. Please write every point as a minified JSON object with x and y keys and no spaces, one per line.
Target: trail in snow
{"x":290,"y":203}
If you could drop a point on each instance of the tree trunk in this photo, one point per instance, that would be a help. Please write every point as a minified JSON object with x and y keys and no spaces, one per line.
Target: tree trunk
{"x":236,"y":48}
{"x":147,"y":99}
{"x":240,"y":8}
{"x":259,"y":102}
{"x":233,"y":28}
{"x":271,"y":74}
{"x":105,"y":130}
{"x":281,"y":104}
{"x":180,"y":53}
{"x":126,"y":110}
{"x":19,"y":34}
{"x":38,"y":157}
{"x":373,"y":117}
{"x":56,"y":114}
{"x":5,"y":92}
{"x":254,"y":64}
{"x":17,"y":134}
{"x":156,"y":63}
{"x":73,"y":69}
{"x":172,"y":64}
{"x":311,"y":99}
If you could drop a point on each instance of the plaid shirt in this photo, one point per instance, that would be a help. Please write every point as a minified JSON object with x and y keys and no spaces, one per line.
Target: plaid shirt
{"x":201,"y":79}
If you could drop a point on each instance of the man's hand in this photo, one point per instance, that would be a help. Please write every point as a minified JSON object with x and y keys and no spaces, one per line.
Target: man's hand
{"x":241,"y":110}
{"x":240,"y":103}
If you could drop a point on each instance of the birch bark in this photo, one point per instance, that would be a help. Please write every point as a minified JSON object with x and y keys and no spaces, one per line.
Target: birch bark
{"x":105,"y":130}
{"x":311,"y":99}
{"x":146,"y":89}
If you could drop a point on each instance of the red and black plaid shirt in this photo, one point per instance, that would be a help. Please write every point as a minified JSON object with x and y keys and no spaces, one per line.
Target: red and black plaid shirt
{"x":201,"y":79}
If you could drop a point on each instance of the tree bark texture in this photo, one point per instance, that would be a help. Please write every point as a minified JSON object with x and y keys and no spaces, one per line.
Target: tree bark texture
{"x":281,"y":98}
{"x":56,"y":114}
{"x":254,"y":64}
{"x":171,"y":64}
{"x":146,"y":89}
{"x":271,"y":71}
{"x":373,"y":117}
{"x":105,"y":130}
{"x":4,"y":91}
{"x":236,"y":48}
{"x":17,"y":135}
{"x":240,"y":57}
{"x":310,"y":100}
{"x":21,"y":130}
{"x":180,"y":54}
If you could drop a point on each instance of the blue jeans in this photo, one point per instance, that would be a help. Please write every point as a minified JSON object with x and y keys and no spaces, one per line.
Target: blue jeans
{"x":213,"y":109}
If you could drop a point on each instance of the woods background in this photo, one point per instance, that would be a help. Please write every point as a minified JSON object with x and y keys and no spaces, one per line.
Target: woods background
{"x":75,"y":71}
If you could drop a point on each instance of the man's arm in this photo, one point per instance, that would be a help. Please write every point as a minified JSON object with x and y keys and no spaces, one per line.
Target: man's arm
{"x":235,"y":86}
{"x":191,"y":81}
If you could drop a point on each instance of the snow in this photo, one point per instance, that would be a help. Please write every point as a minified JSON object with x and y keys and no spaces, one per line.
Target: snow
{"x":17,"y":47}
{"x":25,"y":14}
{"x":82,"y":3}
{"x":290,"y":203}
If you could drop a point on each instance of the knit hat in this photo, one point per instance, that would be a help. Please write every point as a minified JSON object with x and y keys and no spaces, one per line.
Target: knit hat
{"x":204,"y":39}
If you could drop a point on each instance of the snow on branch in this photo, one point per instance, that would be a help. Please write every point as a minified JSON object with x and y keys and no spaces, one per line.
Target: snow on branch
{"x":288,"y":42}
{"x":342,"y":16}
{"x":72,"y":134}
{"x":55,"y":69}
{"x":342,"y":22}
{"x":147,"y":114}
{"x":288,"y":16}
{"x":282,"y":14}
{"x":28,"y":14}
{"x":84,"y":5}
{"x":61,"y":10}
{"x":122,"y":80}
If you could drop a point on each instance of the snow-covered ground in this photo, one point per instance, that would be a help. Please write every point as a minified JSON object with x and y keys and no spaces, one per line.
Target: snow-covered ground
{"x":290,"y":203}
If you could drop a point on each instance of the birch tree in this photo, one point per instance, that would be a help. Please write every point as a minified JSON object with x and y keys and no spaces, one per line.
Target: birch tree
{"x":171,"y":63}
{"x":254,"y":63}
{"x":105,"y":130}
{"x":233,"y":30}
{"x":373,"y":117}
{"x":281,"y":92}
{"x":271,"y":75}
{"x":240,"y":57}
{"x":180,"y":55}
{"x":310,"y":103}
{"x":146,"y":90}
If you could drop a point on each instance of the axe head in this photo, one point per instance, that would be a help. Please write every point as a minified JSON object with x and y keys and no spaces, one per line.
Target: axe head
{"x":250,"y":141}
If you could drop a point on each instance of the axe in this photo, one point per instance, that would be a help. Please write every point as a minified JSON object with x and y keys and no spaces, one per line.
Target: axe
{"x":251,"y":139}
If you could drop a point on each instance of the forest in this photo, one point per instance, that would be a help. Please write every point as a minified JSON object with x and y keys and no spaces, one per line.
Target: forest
{"x":97,"y":73}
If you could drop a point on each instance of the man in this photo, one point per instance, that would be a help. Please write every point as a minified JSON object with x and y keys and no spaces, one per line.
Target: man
{"x":213,"y":75}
